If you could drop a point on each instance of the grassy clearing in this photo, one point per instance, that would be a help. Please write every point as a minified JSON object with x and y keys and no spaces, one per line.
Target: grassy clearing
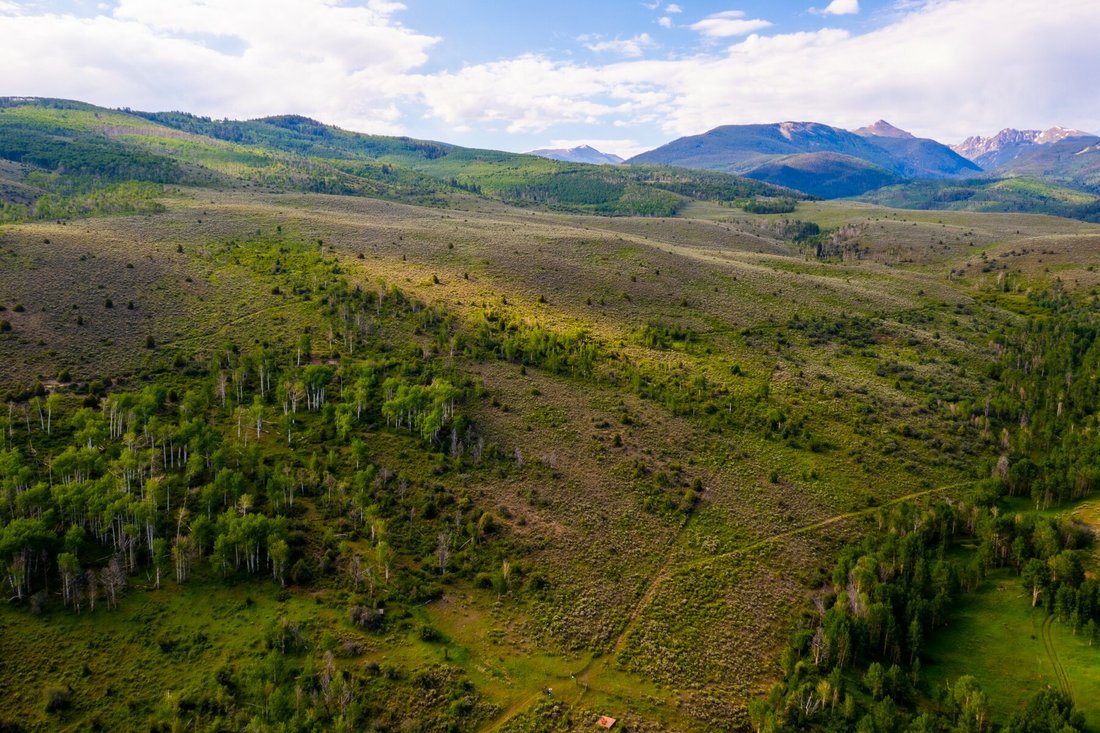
{"x":996,"y":636}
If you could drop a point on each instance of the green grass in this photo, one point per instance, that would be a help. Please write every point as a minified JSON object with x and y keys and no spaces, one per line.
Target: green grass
{"x":1004,"y":195}
{"x":995,"y":635}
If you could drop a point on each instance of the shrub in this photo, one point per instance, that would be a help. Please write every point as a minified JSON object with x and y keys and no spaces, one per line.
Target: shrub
{"x":366,"y":618}
{"x":487,"y":525}
{"x":57,"y":699}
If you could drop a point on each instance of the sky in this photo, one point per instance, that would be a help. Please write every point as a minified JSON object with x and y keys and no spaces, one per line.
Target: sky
{"x":621,"y":75}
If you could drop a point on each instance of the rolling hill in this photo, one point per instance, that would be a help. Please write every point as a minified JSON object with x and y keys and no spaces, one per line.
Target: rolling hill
{"x":68,"y":149}
{"x":1013,"y":194}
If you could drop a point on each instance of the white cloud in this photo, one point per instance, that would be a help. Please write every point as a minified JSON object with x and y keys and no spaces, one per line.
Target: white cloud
{"x":336,"y":61}
{"x":673,"y":8}
{"x":532,"y":93}
{"x":728,"y":24}
{"x":934,"y":71}
{"x":630,"y":47}
{"x":839,"y":7}
{"x":665,"y":22}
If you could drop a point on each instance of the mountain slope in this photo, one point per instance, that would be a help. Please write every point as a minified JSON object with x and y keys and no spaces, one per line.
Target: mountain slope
{"x":1073,"y":161}
{"x":579,"y":154}
{"x":918,"y":157}
{"x":742,"y":148}
{"x":828,"y":175}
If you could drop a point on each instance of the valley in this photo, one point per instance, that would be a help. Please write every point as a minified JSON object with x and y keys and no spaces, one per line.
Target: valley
{"x":358,"y":433}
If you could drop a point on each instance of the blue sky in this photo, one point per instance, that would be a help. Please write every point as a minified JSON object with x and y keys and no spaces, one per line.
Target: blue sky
{"x":623,"y":75}
{"x":476,"y":31}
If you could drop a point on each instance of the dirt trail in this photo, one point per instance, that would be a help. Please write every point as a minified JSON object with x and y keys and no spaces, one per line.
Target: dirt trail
{"x":223,"y":325}
{"x":1059,"y":670}
{"x":666,"y":570}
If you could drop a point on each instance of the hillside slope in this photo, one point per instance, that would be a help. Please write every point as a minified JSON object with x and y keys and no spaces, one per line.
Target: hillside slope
{"x":1014,"y":194}
{"x":827,"y":175}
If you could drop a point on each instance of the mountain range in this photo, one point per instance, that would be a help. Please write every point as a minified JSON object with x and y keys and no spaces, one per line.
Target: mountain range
{"x":815,"y":158}
{"x":830,"y":162}
{"x":1060,"y":155}
{"x":1056,"y":171}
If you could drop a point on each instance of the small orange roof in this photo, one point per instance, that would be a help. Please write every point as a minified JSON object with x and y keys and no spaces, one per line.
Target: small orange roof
{"x":605,"y":722}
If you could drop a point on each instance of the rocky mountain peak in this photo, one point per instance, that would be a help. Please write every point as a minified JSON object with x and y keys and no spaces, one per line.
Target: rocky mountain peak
{"x":1055,"y":134}
{"x":882,"y":128}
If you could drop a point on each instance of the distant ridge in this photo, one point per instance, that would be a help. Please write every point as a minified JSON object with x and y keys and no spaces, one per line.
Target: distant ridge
{"x":996,"y":150}
{"x":579,"y":154}
{"x":1059,"y":155}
